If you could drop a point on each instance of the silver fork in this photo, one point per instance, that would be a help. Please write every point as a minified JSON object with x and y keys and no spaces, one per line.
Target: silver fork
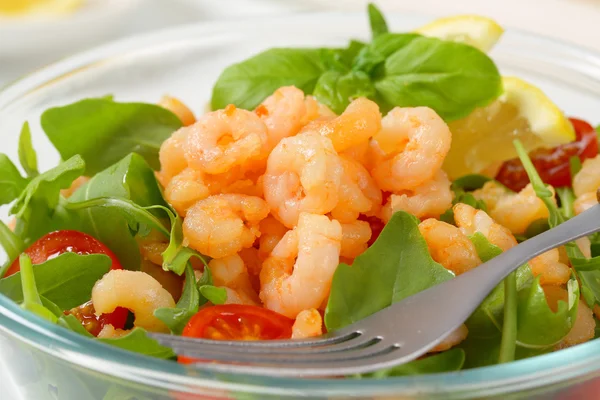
{"x":395,"y":335}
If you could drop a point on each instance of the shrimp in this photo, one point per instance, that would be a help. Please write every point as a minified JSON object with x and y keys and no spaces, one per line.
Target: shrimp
{"x":182,"y":112}
{"x":185,"y":189}
{"x":415,"y":142}
{"x":429,"y":200}
{"x":151,"y":251}
{"x":355,"y":238}
{"x":454,"y":338}
{"x":358,"y":193}
{"x":584,"y":202}
{"x":222,"y":225}
{"x":490,"y":193}
{"x":223,"y":139}
{"x":518,"y":211}
{"x":253,"y":263}
{"x":588,"y":178}
{"x":285,"y":112}
{"x":449,"y":246}
{"x":308,"y":324}
{"x":360,"y":153}
{"x":584,"y":326}
{"x":303,"y":175}
{"x":358,"y":123}
{"x":470,"y":220}
{"x":271,"y":232}
{"x":172,"y":157}
{"x":548,"y":266}
{"x":317,"y":111}
{"x":136,"y":291}
{"x":298,"y":273}
{"x":231,"y":272}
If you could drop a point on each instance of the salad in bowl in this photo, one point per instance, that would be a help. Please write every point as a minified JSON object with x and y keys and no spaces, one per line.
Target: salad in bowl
{"x":323,"y":185}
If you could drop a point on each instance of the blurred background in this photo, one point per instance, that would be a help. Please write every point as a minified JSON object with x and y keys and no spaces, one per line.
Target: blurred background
{"x":34,"y":33}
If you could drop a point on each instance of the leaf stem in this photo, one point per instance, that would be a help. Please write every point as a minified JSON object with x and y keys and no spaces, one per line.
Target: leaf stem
{"x":12,"y":245}
{"x":509,"y":326}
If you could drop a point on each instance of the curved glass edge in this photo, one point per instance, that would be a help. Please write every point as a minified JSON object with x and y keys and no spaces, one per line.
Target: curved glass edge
{"x":520,"y":375}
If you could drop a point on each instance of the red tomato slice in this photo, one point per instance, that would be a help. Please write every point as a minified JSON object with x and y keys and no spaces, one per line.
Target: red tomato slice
{"x":59,"y":242}
{"x":237,"y":322}
{"x":552,"y":164}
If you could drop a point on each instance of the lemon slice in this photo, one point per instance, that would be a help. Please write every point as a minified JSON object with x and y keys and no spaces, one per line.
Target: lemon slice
{"x":477,"y":31}
{"x":485,"y":137}
{"x":22,"y":7}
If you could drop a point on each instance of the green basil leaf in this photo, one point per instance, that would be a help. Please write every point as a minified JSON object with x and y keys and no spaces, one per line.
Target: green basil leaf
{"x":448,"y":361}
{"x":176,"y":318}
{"x":336,"y":90}
{"x":371,"y":57}
{"x":11,"y":181}
{"x":27,"y":155}
{"x":12,"y":245}
{"x":216,"y":295}
{"x":348,"y":54}
{"x":451,"y":78}
{"x":377,"y":21}
{"x":117,"y":129}
{"x":248,"y":83}
{"x":396,"y":266}
{"x":66,"y":280}
{"x":31,"y":298}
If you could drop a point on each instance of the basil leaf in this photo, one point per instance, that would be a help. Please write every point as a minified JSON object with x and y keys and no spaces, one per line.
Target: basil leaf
{"x":448,"y":361}
{"x":130,"y":179}
{"x":216,"y":295}
{"x":248,"y":83}
{"x":11,"y":181}
{"x":66,"y":280}
{"x":31,"y":297}
{"x":396,"y":266}
{"x":376,"y":20}
{"x":27,"y":155}
{"x":12,"y":245}
{"x":176,"y":318}
{"x":336,"y":90}
{"x":117,"y":129}
{"x":451,"y":78}
{"x":371,"y":57}
{"x":348,"y":54}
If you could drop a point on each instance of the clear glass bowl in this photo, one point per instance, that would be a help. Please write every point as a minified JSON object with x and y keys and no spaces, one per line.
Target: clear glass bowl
{"x":48,"y":362}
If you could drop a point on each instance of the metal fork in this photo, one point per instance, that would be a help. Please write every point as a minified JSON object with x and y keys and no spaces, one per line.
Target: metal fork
{"x":395,"y":335}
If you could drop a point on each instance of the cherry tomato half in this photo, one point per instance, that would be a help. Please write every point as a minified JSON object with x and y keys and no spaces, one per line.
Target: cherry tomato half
{"x":56,"y":243}
{"x":552,"y":164}
{"x":237,"y":322}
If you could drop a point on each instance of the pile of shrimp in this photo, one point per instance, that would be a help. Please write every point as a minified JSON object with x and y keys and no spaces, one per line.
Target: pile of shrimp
{"x":280,"y":195}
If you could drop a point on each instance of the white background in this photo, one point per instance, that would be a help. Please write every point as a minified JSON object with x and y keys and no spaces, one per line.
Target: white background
{"x":574,"y":21}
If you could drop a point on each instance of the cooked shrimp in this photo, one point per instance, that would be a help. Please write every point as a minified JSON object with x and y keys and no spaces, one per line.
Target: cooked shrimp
{"x":317,"y":111}
{"x":151,"y":251}
{"x":588,"y":178}
{"x":415,"y":142}
{"x":430,"y":199}
{"x":285,"y":112}
{"x":518,"y":211}
{"x":360,"y":153}
{"x":584,"y":326}
{"x":297,"y":276}
{"x":449,"y":246}
{"x":136,"y":291}
{"x":303,"y":175}
{"x":491,"y":193}
{"x":172,"y":157}
{"x":231,"y":272}
{"x":357,"y":124}
{"x":470,"y":220}
{"x":223,"y":139}
{"x":355,"y":238}
{"x":454,"y":338}
{"x":358,"y":193}
{"x":222,"y":225}
{"x":186,"y":189}
{"x":584,"y":202}
{"x":109,"y":332}
{"x":548,"y":266}
{"x":308,"y":324}
{"x":271,"y":232}
{"x":182,"y":112}
{"x":253,"y":263}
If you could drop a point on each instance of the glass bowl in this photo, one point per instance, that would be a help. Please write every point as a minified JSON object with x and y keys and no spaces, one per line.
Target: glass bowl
{"x":48,"y":362}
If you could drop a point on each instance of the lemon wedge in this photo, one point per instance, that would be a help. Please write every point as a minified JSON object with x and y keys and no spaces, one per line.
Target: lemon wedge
{"x":477,"y":31}
{"x":22,"y":7}
{"x":485,"y":138}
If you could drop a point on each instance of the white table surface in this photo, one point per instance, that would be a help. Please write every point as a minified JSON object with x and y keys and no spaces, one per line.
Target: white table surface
{"x":574,"y":21}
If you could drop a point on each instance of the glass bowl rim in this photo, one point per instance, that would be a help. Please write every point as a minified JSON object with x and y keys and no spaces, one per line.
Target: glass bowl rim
{"x":524,"y":374}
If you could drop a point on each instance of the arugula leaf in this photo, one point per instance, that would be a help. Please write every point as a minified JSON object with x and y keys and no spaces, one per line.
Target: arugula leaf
{"x":31,"y":297}
{"x":176,"y":256}
{"x":396,"y":266}
{"x":336,"y":90}
{"x":451,"y":78}
{"x":567,"y":198}
{"x":376,"y":20}
{"x":448,"y":361}
{"x":66,"y":280}
{"x":216,"y":295}
{"x":574,"y":165}
{"x":116,"y":128}
{"x":12,"y":245}
{"x":176,"y":318}
{"x":508,"y":343}
{"x":248,"y":83}
{"x":470,"y":182}
{"x":27,"y":155}
{"x":11,"y":181}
